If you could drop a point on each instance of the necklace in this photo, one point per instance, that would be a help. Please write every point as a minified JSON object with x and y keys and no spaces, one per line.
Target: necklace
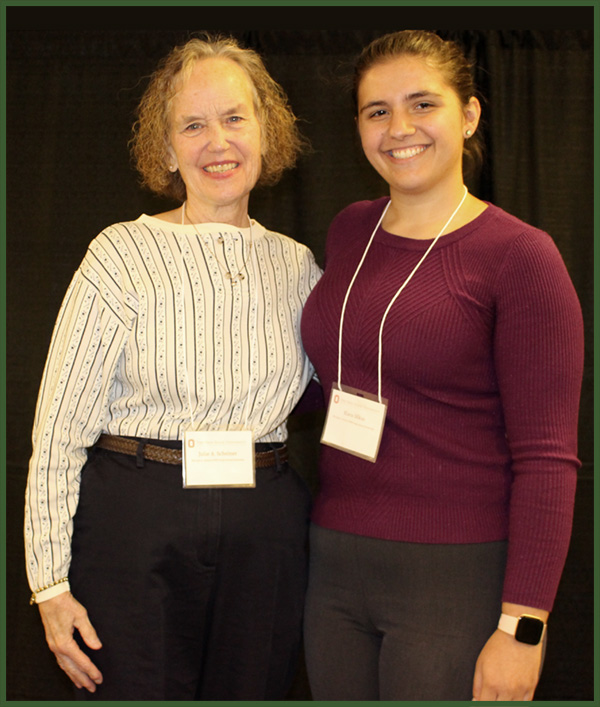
{"x":233,"y":277}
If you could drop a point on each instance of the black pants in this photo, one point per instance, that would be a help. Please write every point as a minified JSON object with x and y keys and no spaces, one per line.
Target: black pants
{"x":196,"y":594}
{"x":398,"y":621}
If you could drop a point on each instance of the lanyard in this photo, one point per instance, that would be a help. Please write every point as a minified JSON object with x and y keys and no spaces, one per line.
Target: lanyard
{"x":360,"y":264}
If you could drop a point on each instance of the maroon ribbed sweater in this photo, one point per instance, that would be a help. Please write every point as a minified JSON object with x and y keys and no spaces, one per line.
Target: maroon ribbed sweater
{"x":482,"y":366}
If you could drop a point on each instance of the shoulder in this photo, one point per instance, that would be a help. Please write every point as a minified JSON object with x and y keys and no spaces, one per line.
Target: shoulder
{"x":498,"y":226}
{"x":355,"y":221}
{"x":119,"y":230}
{"x":501,"y":239}
{"x":360,"y":214}
{"x":117,"y":250}
{"x":520,"y":240}
{"x":523,"y":260}
{"x":124,"y":236}
{"x":287,"y":244}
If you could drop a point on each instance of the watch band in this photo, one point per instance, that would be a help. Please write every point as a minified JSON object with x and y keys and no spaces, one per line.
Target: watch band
{"x":525,"y":628}
{"x":508,"y":623}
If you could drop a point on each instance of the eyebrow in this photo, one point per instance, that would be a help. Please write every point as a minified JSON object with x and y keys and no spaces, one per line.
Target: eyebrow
{"x":422,"y":94}
{"x":372,"y":104}
{"x":230,"y":111}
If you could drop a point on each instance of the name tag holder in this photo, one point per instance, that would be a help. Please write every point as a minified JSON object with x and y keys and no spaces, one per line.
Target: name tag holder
{"x":354,"y":422}
{"x":218,"y":459}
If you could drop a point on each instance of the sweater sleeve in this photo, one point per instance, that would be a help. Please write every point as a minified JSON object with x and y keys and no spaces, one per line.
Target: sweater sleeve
{"x":539,"y":364}
{"x":71,"y":410}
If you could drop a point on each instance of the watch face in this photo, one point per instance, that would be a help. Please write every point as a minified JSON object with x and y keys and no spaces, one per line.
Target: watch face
{"x":529,"y":630}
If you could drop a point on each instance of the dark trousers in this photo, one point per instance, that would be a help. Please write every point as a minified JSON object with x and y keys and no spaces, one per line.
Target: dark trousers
{"x":398,"y":621}
{"x":196,"y":594}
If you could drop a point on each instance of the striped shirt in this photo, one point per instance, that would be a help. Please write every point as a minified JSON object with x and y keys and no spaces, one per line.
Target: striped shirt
{"x":154,"y":338}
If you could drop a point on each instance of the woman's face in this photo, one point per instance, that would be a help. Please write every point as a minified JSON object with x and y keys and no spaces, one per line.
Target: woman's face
{"x":215,"y":140}
{"x":412,"y":125}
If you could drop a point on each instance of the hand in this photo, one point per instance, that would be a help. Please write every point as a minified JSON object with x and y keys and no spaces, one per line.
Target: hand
{"x":507,"y":669}
{"x":61,"y":615}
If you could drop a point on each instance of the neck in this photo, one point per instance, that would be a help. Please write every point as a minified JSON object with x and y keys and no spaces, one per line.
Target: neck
{"x":234,"y":214}
{"x":421,"y":216}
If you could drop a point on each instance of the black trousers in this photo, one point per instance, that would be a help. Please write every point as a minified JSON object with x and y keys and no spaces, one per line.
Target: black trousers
{"x":397,"y":621}
{"x":196,"y":594}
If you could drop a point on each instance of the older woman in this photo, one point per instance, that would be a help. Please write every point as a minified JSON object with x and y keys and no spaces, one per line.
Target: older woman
{"x":162,"y":520}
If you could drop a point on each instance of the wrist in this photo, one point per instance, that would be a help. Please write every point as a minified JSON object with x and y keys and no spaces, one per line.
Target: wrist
{"x":525,"y":628}
{"x":513,"y":609}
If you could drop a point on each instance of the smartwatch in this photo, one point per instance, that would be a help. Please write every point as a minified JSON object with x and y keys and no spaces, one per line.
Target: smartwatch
{"x":525,"y":628}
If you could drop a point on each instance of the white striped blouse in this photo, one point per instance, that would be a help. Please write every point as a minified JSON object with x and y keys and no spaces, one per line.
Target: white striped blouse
{"x":153,"y":338}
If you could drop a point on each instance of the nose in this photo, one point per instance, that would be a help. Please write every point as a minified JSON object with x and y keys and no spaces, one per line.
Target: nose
{"x":217,"y":138}
{"x":401,"y":125}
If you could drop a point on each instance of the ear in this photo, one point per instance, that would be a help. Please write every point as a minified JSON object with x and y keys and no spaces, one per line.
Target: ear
{"x":171,"y":159}
{"x":472,"y":114}
{"x":264,"y":145}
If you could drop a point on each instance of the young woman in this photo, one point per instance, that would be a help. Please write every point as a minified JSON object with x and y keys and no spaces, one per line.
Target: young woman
{"x":448,"y":338}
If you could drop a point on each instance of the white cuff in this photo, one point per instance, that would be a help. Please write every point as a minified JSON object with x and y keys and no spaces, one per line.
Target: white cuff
{"x":54,"y":591}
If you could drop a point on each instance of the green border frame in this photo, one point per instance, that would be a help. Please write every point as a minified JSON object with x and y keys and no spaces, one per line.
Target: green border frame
{"x":524,"y":5}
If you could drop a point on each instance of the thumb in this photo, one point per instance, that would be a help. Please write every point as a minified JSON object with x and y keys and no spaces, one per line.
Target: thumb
{"x":88,"y":634}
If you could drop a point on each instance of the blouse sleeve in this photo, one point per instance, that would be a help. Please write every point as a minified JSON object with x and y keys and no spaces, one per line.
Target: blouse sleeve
{"x":71,"y":410}
{"x":539,"y":364}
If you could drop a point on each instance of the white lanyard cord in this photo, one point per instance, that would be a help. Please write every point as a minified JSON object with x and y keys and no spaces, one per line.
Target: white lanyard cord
{"x":251,"y":362}
{"x":380,"y":354}
{"x":362,"y":260}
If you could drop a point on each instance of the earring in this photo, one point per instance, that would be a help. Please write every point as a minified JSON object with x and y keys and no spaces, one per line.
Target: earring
{"x":469,"y":133}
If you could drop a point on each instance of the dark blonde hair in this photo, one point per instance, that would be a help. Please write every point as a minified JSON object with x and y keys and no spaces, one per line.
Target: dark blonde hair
{"x":281,"y":140}
{"x":444,"y":55}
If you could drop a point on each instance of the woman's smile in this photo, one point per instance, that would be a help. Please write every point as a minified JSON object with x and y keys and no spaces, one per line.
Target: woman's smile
{"x":407,"y":153}
{"x":220,"y":168}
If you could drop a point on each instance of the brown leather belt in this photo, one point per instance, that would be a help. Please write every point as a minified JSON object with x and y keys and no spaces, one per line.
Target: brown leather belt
{"x":166,"y":455}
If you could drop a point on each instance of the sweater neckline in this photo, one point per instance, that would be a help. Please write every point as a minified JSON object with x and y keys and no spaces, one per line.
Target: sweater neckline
{"x":391,"y":239}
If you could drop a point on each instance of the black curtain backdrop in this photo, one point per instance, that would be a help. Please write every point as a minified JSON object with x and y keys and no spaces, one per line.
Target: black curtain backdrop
{"x":74,"y":77}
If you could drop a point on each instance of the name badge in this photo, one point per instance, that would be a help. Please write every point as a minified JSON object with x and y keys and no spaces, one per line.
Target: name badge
{"x":354,"y":422}
{"x":218,"y":459}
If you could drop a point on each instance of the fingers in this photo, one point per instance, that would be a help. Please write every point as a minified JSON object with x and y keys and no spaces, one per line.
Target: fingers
{"x":78,"y":667}
{"x":498,"y":697}
{"x":509,"y":692}
{"x":62,"y":615}
{"x":503,"y":691}
{"x":506,"y":670}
